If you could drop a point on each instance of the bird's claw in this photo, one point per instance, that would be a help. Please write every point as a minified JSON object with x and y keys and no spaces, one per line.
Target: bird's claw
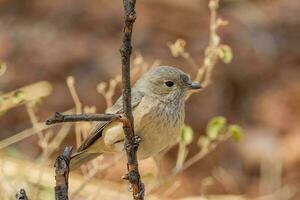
{"x":137,"y":140}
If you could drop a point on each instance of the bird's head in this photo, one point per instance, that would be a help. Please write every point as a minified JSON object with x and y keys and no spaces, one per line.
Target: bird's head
{"x":167,"y":83}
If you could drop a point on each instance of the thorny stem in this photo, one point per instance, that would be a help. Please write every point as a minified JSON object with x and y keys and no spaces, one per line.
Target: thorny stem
{"x":131,"y":143}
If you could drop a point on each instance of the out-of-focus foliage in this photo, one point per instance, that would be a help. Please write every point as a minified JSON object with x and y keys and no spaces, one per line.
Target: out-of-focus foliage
{"x":186,"y":134}
{"x":225,"y":54}
{"x":18,"y":96}
{"x":215,"y":127}
{"x":236,"y":132}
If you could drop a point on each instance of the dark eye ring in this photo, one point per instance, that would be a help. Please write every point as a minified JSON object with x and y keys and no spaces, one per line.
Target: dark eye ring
{"x":169,"y":83}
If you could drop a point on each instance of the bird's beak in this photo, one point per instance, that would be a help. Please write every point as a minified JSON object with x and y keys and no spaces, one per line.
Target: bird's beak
{"x":195,"y":86}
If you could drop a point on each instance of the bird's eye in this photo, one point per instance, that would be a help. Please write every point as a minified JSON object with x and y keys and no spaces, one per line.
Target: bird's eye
{"x":169,"y":83}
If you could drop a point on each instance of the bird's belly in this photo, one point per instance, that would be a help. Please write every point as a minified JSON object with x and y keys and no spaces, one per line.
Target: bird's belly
{"x":156,"y":131}
{"x":155,"y":139}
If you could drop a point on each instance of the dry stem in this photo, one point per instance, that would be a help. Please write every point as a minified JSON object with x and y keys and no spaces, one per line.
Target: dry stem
{"x":62,"y":174}
{"x":60,"y":118}
{"x":131,"y":142}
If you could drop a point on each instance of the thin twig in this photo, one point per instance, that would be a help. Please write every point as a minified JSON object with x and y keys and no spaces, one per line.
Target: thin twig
{"x":34,"y":120}
{"x":43,"y":142}
{"x":201,"y":154}
{"x":62,"y":174}
{"x":60,"y":118}
{"x":205,"y":72}
{"x":131,"y":142}
{"x":211,"y":58}
{"x":78,"y":107}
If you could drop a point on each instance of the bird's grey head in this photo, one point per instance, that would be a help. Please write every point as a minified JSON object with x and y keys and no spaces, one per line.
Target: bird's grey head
{"x":166,"y":83}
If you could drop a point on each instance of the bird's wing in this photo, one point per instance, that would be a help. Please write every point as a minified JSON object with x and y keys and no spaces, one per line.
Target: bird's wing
{"x":117,"y":108}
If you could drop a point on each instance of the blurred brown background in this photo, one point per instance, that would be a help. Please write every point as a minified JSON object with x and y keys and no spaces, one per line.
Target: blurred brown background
{"x":260,"y":89}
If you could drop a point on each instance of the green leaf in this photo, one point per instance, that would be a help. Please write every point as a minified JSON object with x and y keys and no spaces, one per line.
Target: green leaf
{"x":203,"y":142}
{"x":225,"y":54}
{"x":214,"y":127}
{"x":236,"y":132}
{"x":186,"y":134}
{"x":18,"y":96}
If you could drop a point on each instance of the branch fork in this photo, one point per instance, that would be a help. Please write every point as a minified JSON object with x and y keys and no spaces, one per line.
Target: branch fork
{"x":131,"y":141}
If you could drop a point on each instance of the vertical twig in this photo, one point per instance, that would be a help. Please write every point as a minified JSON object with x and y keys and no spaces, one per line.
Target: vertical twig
{"x":21,"y":195}
{"x":62,"y":174}
{"x":78,"y":107}
{"x":131,"y":142}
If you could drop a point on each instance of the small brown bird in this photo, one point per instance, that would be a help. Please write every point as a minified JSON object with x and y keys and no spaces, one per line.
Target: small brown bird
{"x":158,"y":99}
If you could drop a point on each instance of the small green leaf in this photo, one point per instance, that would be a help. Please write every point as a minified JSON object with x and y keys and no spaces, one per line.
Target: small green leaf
{"x":18,"y":96}
{"x":236,"y":132}
{"x":203,"y":142}
{"x":214,"y":127}
{"x":225,"y":54}
{"x":186,"y":134}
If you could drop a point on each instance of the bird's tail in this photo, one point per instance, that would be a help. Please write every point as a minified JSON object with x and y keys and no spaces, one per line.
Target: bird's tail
{"x":81,"y":157}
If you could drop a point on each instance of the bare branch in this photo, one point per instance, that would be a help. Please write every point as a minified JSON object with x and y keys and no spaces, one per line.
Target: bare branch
{"x":131,"y":141}
{"x":62,"y":174}
{"x":59,"y":118}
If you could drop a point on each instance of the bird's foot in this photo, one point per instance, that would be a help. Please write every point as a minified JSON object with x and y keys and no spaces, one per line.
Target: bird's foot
{"x":134,"y":144}
{"x":136,"y":141}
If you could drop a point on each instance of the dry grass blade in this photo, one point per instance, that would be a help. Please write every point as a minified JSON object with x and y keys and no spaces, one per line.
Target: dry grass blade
{"x":25,"y":134}
{"x":22,"y":135}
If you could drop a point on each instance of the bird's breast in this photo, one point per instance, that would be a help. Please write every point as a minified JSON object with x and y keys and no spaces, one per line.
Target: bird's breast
{"x":158,"y":124}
